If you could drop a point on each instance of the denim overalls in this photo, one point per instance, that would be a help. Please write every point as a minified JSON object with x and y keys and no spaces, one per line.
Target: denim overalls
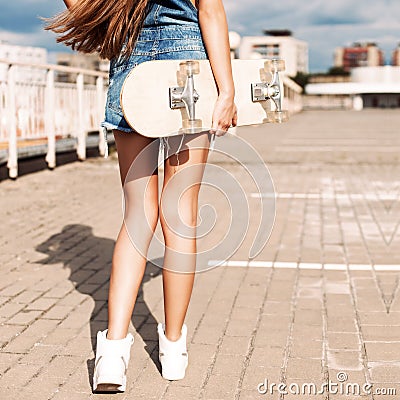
{"x":170,"y":31}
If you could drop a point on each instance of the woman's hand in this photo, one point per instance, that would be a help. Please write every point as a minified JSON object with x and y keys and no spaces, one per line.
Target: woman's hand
{"x":224,"y":115}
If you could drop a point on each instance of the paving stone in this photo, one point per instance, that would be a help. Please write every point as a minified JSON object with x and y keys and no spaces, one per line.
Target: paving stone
{"x":13,"y":290}
{"x":40,"y":354}
{"x":17,"y":376}
{"x":58,"y":312}
{"x":234,"y":345}
{"x":257,"y":375}
{"x":345,"y":360}
{"x":8,"y":332}
{"x":245,"y":314}
{"x":24,"y":317}
{"x":267,"y":357}
{"x":181,"y":392}
{"x":201,"y":354}
{"x":384,"y":372}
{"x":381,"y":333}
{"x":42,"y":304}
{"x":253,"y":394}
{"x":342,"y":324}
{"x":80,"y":380}
{"x":303,"y":347}
{"x":308,"y":317}
{"x":303,"y":368}
{"x":309,"y":304}
{"x":61,"y":395}
{"x":26,"y":297}
{"x":42,"y":386}
{"x":228,"y":364}
{"x":60,"y":336}
{"x":32,"y":335}
{"x":236,"y":327}
{"x":280,"y":322}
{"x":7,"y":360}
{"x":270,"y":338}
{"x":195,"y":375}
{"x":381,"y":351}
{"x":10,"y":309}
{"x":58,"y":292}
{"x":207,"y":334}
{"x":277,"y":307}
{"x":343,"y":340}
{"x":221,"y":386}
{"x":78,"y":346}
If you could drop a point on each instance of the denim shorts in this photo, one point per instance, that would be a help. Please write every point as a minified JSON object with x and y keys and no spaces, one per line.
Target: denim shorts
{"x":170,"y":32}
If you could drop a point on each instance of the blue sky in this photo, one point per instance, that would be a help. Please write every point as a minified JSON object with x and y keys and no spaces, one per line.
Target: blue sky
{"x":323,"y":24}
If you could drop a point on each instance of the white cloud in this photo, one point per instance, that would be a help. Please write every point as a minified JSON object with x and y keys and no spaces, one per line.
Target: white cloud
{"x":39,"y":38}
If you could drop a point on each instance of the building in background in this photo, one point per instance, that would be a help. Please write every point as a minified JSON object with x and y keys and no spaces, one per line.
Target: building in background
{"x":359,"y":55}
{"x":277,"y":44}
{"x":82,"y":61}
{"x":396,"y":57}
{"x":375,"y":87}
{"x":24,"y":54}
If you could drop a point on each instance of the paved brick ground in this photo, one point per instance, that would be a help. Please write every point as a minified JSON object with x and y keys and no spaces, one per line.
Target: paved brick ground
{"x":321,"y":301}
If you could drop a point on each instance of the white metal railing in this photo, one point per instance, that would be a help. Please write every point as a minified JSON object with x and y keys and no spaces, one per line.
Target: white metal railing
{"x":33,"y":105}
{"x":292,"y":99}
{"x":44,"y":108}
{"x":327,"y":102}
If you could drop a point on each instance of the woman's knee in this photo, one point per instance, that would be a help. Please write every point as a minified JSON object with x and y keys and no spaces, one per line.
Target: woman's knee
{"x":143,"y":214}
{"x":140,"y":221}
{"x":179,"y":216}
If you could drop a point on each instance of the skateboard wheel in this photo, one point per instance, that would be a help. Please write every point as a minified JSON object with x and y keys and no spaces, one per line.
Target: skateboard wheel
{"x":274,"y":65}
{"x":277,"y":116}
{"x":190,"y":67}
{"x":192,"y":126}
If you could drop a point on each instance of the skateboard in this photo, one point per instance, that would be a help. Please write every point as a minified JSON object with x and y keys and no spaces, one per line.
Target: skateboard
{"x":169,"y":97}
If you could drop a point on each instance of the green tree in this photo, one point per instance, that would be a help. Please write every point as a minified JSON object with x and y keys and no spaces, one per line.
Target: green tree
{"x":338,"y":71}
{"x":302,"y":79}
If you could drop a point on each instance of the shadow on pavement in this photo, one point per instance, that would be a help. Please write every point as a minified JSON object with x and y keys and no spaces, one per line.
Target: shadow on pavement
{"x":88,"y":257}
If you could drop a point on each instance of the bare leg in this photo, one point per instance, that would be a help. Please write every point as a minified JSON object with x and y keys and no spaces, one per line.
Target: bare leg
{"x":141,"y":205}
{"x":178,"y":217}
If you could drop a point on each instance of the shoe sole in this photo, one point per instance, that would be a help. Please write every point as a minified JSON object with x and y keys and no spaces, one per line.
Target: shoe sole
{"x":109,"y":384}
{"x":108,"y":387}
{"x":174,"y":378}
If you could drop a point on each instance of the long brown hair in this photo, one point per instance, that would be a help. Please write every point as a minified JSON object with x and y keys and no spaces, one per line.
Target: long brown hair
{"x":100,"y":25}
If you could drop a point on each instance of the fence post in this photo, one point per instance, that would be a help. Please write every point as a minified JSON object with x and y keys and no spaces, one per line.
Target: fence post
{"x":12,"y":163}
{"x":49,"y":120}
{"x":81,"y":148}
{"x":100,"y":107}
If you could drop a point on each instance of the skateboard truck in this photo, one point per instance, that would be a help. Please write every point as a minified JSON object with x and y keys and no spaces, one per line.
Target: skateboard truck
{"x":271,"y":91}
{"x":186,"y":97}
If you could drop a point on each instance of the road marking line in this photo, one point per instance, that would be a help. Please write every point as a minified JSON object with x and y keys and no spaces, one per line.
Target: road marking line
{"x":387,"y":267}
{"x":332,"y":196}
{"x":301,"y":265}
{"x":335,"y":267}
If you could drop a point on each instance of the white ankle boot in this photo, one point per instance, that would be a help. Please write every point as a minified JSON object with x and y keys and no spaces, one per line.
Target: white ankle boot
{"x":173,"y":355}
{"x":111,"y":364}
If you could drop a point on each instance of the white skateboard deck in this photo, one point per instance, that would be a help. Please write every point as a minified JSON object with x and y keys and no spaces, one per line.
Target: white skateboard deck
{"x":145,"y":96}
